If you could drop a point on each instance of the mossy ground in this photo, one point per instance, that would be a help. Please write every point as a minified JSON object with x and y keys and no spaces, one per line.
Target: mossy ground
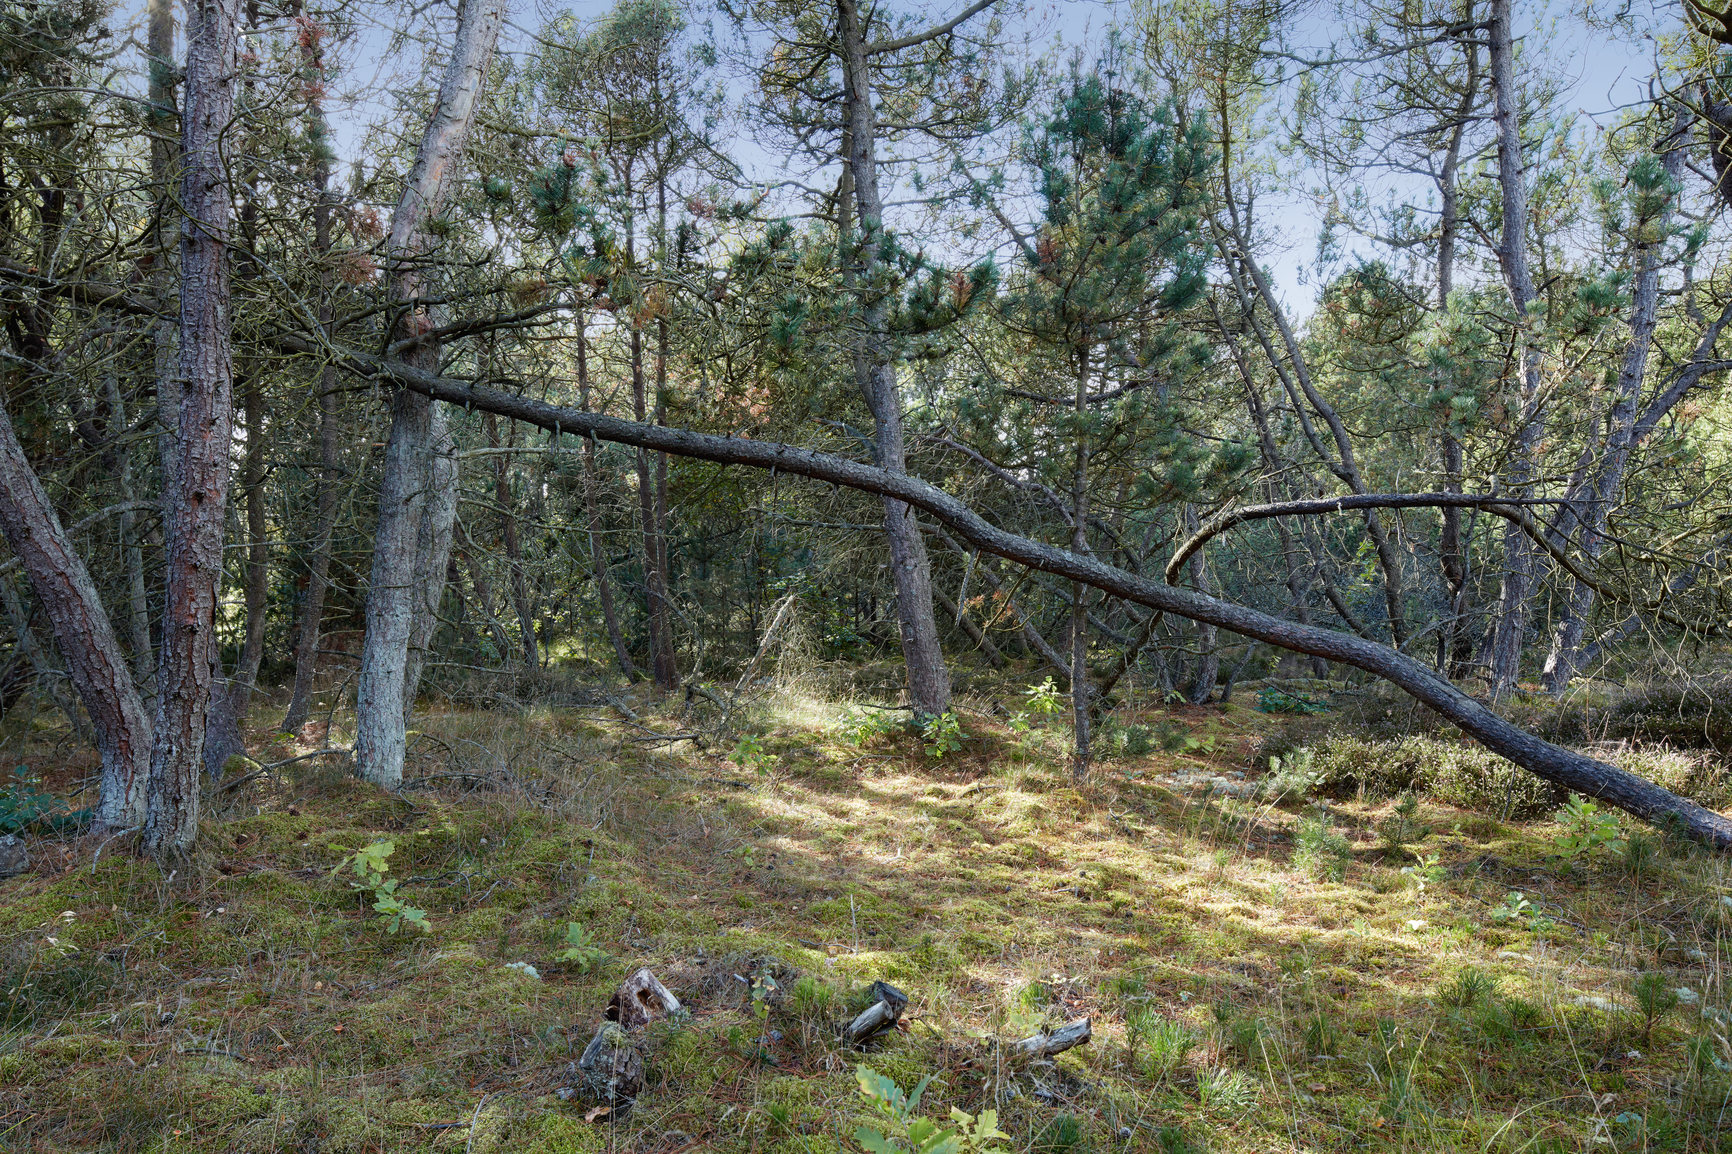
{"x":253,"y":1001}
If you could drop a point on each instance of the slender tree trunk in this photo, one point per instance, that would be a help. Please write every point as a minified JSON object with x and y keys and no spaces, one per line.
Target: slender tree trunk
{"x":597,"y":552}
{"x":1520,"y":562}
{"x":195,"y":490}
{"x":159,"y":51}
{"x":659,"y":609}
{"x":402,"y":558}
{"x":1452,"y":550}
{"x":875,"y":375}
{"x":324,"y":486}
{"x":1208,"y":656}
{"x":484,"y":602}
{"x":258,"y":550}
{"x":513,"y":547}
{"x":1080,"y":683}
{"x":432,"y":553}
{"x":1607,"y":481}
{"x":131,"y":546}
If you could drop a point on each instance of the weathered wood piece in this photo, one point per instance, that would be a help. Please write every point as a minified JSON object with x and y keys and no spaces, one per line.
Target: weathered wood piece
{"x":611,"y":1068}
{"x":640,"y":1000}
{"x":1045,"y":1044}
{"x":882,"y":1014}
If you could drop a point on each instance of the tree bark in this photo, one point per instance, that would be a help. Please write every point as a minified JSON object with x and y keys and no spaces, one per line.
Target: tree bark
{"x":1607,"y":481}
{"x":402,"y":561}
{"x":875,"y":375}
{"x":513,"y":547}
{"x":94,"y":661}
{"x":325,"y":389}
{"x":597,"y":553}
{"x":1520,"y":565}
{"x":195,"y":490}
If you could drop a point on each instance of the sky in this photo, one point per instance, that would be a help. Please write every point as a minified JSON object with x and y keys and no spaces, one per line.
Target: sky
{"x":1601,"y":73}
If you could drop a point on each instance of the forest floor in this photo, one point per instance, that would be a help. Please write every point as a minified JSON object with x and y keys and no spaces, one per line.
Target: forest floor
{"x":1255,"y":982}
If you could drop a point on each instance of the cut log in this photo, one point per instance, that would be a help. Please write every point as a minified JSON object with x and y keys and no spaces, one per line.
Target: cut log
{"x":640,"y":1000}
{"x":883,"y":1014}
{"x":1045,"y":1044}
{"x":611,"y":1069}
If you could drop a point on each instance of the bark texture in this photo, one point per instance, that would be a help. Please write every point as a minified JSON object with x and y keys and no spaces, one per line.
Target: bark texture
{"x":875,"y":374}
{"x":195,"y":488}
{"x":1509,"y":633}
{"x":412,"y":497}
{"x":94,"y":660}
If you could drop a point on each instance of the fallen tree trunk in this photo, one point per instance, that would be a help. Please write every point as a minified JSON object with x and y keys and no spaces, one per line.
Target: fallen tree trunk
{"x":1564,"y":767}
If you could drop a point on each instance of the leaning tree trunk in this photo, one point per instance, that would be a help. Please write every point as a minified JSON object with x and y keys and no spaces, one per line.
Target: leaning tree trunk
{"x":195,"y":490}
{"x":875,"y":375}
{"x":397,"y":583}
{"x":94,"y":661}
{"x":1563,"y":767}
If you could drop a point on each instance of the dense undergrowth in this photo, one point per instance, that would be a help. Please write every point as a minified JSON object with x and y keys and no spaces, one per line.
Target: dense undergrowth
{"x":1365,"y":948}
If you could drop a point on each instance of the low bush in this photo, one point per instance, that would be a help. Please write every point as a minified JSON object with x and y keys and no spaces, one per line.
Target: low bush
{"x":1448,"y":771}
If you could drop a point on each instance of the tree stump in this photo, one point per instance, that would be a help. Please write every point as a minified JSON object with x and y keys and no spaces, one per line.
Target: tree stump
{"x":611,"y":1069}
{"x":640,"y":1000}
{"x":881,"y":1015}
{"x":14,"y":855}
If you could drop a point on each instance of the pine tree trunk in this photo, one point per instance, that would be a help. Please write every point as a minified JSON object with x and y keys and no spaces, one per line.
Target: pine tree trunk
{"x":1607,"y":482}
{"x":1520,"y":561}
{"x":597,"y":551}
{"x":513,"y":547}
{"x":195,"y":490}
{"x":875,"y":375}
{"x":432,"y":554}
{"x":407,"y":539}
{"x":325,"y":486}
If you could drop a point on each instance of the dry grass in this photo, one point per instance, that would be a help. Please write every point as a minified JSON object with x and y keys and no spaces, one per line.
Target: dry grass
{"x":1241,"y":1003}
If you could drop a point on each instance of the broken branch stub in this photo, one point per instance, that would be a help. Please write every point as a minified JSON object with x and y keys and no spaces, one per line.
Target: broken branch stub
{"x":640,"y":1000}
{"x":884,"y":1012}
{"x":1045,"y":1044}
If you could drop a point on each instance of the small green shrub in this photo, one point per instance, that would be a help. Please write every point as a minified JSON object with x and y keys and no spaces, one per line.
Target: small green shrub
{"x":23,"y":806}
{"x":1045,"y":700}
{"x":1587,"y":828}
{"x":1272,"y":700}
{"x":1293,"y":775}
{"x":1224,"y":1092}
{"x":1062,"y":1134}
{"x":1319,"y":850}
{"x":581,"y":951}
{"x":1655,"y":997}
{"x":942,"y":734}
{"x":1447,"y":771}
{"x":1402,"y":828}
{"x":1470,"y":987}
{"x":864,"y":726}
{"x":908,"y":1133}
{"x":749,"y":753}
{"x":1164,"y":1044}
{"x":370,"y":865}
